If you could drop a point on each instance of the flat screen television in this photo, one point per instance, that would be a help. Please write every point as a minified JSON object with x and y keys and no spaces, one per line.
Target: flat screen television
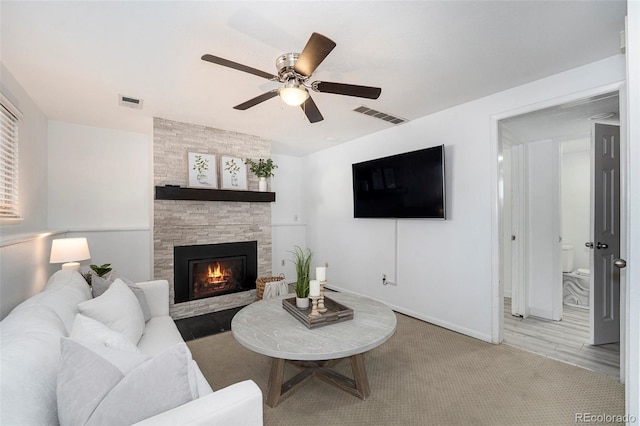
{"x":409,"y":185}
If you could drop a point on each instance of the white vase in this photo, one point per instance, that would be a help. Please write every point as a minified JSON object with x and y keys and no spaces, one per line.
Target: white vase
{"x":302,"y":302}
{"x":262,"y":184}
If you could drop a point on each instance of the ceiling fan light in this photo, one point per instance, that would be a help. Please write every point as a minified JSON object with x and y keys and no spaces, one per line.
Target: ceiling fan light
{"x":293,"y":96}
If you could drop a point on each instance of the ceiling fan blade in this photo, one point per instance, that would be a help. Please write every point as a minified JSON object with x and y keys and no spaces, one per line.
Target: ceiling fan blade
{"x":239,"y":67}
{"x":317,"y":48}
{"x":311,"y":111}
{"x":258,"y":99}
{"x":347,"y":89}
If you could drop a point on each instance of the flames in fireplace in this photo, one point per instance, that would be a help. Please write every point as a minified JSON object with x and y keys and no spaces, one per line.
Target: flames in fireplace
{"x":215,"y":277}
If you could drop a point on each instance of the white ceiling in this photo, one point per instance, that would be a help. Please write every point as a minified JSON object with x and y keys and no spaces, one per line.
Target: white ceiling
{"x":75,"y":58}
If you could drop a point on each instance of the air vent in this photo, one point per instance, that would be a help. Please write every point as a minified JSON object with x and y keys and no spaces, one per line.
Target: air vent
{"x":129,"y":102}
{"x":381,"y":115}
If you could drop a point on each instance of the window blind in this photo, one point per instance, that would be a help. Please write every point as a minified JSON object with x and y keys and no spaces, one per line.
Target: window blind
{"x":9,"y":118}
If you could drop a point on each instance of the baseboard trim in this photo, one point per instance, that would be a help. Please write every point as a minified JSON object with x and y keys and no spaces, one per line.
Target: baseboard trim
{"x":435,"y":321}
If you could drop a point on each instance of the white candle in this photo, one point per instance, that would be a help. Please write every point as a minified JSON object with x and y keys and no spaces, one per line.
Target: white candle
{"x":321,"y":273}
{"x":314,"y":288}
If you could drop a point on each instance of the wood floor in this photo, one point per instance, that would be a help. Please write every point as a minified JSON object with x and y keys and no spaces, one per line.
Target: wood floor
{"x":565,"y":340}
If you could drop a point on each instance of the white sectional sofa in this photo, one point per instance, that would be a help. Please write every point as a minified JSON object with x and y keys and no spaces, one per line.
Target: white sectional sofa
{"x":68,"y":358}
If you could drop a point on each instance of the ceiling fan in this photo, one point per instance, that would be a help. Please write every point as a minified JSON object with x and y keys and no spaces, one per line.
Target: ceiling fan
{"x":294,"y":72}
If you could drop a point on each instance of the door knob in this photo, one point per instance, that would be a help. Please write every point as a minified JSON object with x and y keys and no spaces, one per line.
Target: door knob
{"x":620,"y":263}
{"x":588,"y":244}
{"x":601,"y":245}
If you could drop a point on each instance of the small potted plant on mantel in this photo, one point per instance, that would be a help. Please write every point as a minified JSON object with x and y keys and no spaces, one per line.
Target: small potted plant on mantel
{"x":263,"y":169}
{"x":302,"y":261}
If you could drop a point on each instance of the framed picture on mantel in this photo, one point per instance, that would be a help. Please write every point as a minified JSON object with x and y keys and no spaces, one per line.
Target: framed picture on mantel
{"x":233,"y":172}
{"x":202,"y":171}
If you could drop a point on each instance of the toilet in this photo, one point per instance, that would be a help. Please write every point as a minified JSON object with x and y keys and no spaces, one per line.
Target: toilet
{"x":575,"y":284}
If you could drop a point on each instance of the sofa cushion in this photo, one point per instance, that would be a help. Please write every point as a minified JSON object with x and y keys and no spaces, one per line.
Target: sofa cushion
{"x":88,"y":330}
{"x":62,"y":278}
{"x":118,"y":309}
{"x":100,"y":284}
{"x":93,"y":390}
{"x":30,"y":353}
{"x":63,"y":292}
{"x":159,"y":334}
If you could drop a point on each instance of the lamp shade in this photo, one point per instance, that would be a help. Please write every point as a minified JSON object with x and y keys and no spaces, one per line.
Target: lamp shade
{"x":69,"y":250}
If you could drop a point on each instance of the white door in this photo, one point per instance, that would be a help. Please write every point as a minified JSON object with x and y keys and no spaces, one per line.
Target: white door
{"x":544,"y":274}
{"x":518,"y":252}
{"x":536,"y":246}
{"x":605,"y":242}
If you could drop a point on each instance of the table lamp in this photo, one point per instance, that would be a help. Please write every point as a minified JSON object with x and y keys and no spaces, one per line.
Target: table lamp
{"x":69,"y":251}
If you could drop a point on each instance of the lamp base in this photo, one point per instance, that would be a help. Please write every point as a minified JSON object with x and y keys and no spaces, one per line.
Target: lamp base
{"x":71,"y":266}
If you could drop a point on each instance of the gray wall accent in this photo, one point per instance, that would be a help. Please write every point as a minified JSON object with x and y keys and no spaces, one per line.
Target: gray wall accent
{"x":205,"y":222}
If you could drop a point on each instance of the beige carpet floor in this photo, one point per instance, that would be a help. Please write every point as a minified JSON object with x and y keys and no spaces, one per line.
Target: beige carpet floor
{"x":426,"y":375}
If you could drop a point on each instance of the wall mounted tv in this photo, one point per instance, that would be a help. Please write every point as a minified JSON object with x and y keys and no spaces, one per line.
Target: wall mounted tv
{"x":409,"y":185}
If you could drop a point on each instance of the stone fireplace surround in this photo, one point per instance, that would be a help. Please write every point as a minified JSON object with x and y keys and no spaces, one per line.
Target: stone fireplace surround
{"x":180,"y":222}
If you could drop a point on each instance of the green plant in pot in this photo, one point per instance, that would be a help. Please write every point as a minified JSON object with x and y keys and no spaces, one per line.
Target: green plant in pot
{"x":302,"y":262}
{"x":99,"y":270}
{"x":263,"y":169}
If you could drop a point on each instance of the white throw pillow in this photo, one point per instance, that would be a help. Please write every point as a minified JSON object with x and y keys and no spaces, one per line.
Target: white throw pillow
{"x":100,"y":284}
{"x":93,"y":391}
{"x":88,"y":330}
{"x":118,"y":309}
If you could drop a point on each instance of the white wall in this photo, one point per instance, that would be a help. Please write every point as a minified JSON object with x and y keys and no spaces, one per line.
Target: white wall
{"x":632,"y":272}
{"x":287,"y":214}
{"x":98,"y":178}
{"x":24,"y":268}
{"x":575,"y":193}
{"x":100,"y":187}
{"x":24,"y":263}
{"x":444,"y":272}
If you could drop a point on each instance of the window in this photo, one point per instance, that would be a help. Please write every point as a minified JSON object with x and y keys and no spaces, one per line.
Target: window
{"x":9,"y":118}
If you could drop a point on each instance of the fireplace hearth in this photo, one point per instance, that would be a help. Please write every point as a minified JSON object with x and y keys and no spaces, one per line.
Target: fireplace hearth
{"x":210,"y":270}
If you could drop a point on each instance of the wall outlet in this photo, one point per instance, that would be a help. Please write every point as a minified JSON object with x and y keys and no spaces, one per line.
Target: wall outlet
{"x":385,"y":281}
{"x":282,"y":262}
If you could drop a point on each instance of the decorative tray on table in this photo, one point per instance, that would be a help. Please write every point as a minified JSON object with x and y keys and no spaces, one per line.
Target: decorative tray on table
{"x":336,"y":312}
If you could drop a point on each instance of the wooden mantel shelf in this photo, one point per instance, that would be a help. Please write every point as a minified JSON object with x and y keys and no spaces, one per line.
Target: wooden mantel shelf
{"x":198,"y":194}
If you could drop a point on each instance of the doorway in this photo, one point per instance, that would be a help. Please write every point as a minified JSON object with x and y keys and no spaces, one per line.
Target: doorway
{"x":547,"y":170}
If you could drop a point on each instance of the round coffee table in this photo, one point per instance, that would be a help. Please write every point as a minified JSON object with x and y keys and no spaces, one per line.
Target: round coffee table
{"x":267,"y":328}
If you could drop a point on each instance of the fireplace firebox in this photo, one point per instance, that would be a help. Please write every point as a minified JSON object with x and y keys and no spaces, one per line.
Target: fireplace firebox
{"x":211,"y":270}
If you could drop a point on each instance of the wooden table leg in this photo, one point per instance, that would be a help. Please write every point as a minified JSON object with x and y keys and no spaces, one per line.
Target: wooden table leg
{"x":360,"y":375}
{"x":275,"y":382}
{"x":279,"y":391}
